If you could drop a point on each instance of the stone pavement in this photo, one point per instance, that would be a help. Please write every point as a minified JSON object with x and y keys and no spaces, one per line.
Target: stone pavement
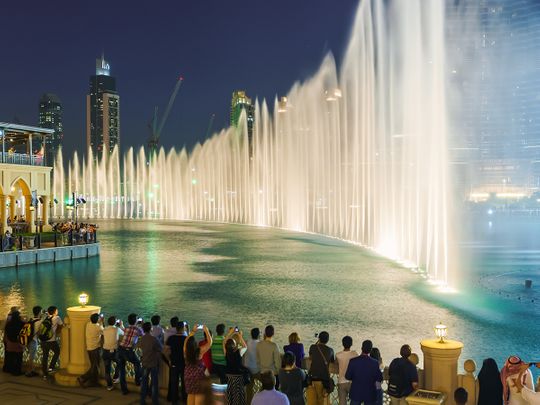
{"x":34,"y":391}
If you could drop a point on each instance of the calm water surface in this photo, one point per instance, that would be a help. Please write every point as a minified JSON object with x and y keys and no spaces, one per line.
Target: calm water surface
{"x":249,"y":276}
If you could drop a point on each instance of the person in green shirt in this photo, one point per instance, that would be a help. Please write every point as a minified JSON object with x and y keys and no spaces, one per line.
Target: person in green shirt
{"x":218,"y":354}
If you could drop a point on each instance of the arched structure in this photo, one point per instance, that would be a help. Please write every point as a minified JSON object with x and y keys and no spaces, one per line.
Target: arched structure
{"x":25,"y":183}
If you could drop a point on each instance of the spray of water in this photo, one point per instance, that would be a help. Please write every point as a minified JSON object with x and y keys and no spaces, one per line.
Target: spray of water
{"x":358,"y":154}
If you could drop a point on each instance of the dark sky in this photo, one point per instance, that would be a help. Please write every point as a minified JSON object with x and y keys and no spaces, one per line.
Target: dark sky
{"x":262,"y":46}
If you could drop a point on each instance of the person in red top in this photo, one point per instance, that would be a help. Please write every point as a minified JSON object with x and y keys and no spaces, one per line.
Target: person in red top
{"x":194,"y":372}
{"x":207,"y":356}
{"x":126,"y":351}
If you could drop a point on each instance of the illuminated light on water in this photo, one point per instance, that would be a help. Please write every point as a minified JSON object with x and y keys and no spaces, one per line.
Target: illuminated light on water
{"x":364,"y":166}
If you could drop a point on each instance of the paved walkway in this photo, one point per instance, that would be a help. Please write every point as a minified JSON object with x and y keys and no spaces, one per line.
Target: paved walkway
{"x":33,"y":391}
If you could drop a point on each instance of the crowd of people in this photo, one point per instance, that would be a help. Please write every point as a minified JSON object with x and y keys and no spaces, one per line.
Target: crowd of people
{"x":81,"y":232}
{"x":194,"y":355}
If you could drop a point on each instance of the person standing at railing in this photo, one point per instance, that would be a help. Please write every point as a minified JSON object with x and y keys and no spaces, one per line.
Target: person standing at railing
{"x":37,"y":313}
{"x":292,"y":380}
{"x":343,"y":357}
{"x":151,"y":349}
{"x":111,"y":335}
{"x":402,"y":377}
{"x":489,"y":383}
{"x":94,"y":339}
{"x":174,"y":346}
{"x":48,"y":332}
{"x":321,"y":356}
{"x":376,"y":354}
{"x":218,"y":354}
{"x":250,"y":361}
{"x":363,"y":372}
{"x":126,"y":351}
{"x":13,"y":348}
{"x":530,"y":396}
{"x":268,"y":356}
{"x":194,"y":373}
{"x":512,"y":371}
{"x":296,"y":348}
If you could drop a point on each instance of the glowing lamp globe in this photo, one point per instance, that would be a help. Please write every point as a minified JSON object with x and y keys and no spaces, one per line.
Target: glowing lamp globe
{"x":441,"y":331}
{"x":83,"y":299}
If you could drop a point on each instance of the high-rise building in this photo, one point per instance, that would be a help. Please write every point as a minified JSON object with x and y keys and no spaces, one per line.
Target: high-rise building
{"x":240,"y":102}
{"x":499,"y":57}
{"x":102,"y":111}
{"x":50,"y":116}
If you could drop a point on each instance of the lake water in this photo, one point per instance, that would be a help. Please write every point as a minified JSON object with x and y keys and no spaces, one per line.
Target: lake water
{"x":249,"y":276}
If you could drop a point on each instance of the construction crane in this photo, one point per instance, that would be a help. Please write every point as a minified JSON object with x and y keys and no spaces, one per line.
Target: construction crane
{"x":153,"y":142}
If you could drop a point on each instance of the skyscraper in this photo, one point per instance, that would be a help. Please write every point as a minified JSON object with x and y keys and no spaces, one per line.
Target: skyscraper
{"x":499,"y":57}
{"x":50,"y":116}
{"x":240,"y":101}
{"x":102,"y":111}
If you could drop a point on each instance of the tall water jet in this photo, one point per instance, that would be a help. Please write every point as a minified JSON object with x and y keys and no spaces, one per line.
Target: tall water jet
{"x":359,"y":155}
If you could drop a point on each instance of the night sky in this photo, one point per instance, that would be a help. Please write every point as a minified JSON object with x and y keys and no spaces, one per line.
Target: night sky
{"x":217,"y":45}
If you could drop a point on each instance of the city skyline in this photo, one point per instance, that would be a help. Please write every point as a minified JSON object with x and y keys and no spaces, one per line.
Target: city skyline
{"x":198,"y":41}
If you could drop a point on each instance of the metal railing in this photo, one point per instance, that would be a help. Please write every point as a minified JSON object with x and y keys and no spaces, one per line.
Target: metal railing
{"x":22,"y":159}
{"x":46,"y":240}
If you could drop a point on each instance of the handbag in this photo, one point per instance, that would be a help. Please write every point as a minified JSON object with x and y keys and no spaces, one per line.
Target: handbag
{"x":328,"y":383}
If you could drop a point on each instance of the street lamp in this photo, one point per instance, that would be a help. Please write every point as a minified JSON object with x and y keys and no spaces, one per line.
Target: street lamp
{"x":441,"y":331}
{"x":83,"y":299}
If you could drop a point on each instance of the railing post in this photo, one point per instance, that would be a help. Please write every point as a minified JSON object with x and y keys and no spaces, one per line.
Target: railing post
{"x":468,"y":380}
{"x":21,"y":242}
{"x":71,"y":237}
{"x":2,"y":243}
{"x":55,"y":239}
{"x":95,"y":235}
{"x":38,"y":237}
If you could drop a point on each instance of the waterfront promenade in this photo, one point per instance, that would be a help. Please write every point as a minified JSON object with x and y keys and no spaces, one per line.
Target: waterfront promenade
{"x":33,"y":391}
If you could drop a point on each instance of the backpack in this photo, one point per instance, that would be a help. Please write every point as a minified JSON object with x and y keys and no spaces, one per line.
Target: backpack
{"x":396,"y":382}
{"x":45,"y":330}
{"x":27,"y":333}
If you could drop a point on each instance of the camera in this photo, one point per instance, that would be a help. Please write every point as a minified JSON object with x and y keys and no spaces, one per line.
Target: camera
{"x":236,"y":329}
{"x":139,"y":320}
{"x":316,"y":335}
{"x":118,"y":322}
{"x":200,"y":327}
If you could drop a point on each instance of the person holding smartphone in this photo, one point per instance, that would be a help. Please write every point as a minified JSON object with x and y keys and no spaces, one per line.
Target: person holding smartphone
{"x":194,"y":372}
{"x":111,"y":335}
{"x":235,"y":371}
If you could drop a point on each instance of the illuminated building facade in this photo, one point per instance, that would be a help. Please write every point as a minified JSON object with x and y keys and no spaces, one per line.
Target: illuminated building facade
{"x":50,"y":116}
{"x":241,"y":102}
{"x":102,"y":111}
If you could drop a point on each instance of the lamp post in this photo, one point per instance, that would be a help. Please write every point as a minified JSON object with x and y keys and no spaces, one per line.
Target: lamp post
{"x":74,"y":355}
{"x":83,"y":299}
{"x":440,"y":362}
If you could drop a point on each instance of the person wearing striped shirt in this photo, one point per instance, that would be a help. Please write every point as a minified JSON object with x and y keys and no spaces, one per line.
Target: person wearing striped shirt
{"x":218,"y":354}
{"x":127,"y":353}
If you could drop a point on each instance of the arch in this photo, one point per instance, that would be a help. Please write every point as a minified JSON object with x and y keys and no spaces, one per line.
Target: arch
{"x":22,"y":184}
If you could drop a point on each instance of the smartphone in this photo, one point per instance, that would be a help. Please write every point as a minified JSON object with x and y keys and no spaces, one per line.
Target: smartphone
{"x":200,"y":327}
{"x":101,"y":316}
{"x":139,"y":319}
{"x":118,"y":322}
{"x":236,"y":329}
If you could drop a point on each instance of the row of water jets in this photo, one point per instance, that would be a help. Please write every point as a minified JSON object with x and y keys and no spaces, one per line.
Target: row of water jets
{"x":357,"y":154}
